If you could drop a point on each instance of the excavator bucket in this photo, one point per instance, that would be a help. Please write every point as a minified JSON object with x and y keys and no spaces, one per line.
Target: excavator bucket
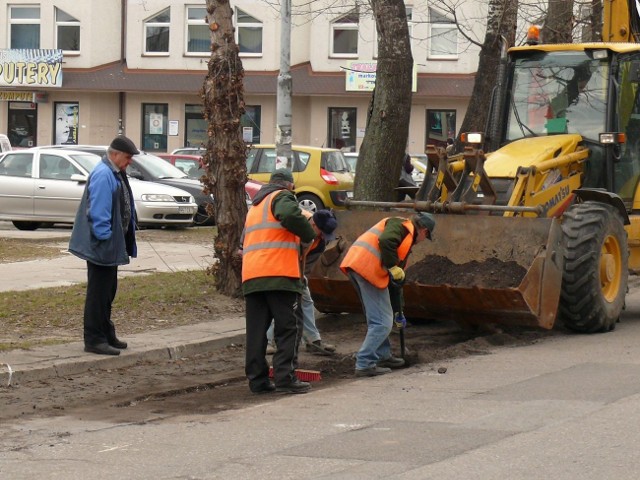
{"x":478,"y":269}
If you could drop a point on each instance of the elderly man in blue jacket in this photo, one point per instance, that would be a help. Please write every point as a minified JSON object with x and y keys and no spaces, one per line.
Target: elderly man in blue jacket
{"x":104,"y":235}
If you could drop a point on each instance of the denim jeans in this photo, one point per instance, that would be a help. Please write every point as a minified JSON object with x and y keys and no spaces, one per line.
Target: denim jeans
{"x":377,"y":310}
{"x":310,"y":332}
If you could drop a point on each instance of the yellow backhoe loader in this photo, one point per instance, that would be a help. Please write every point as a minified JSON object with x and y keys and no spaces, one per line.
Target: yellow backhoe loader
{"x":545,"y":227}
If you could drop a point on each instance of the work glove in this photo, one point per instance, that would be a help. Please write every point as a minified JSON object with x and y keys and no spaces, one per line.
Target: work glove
{"x":397,"y":274}
{"x":399,"y":320}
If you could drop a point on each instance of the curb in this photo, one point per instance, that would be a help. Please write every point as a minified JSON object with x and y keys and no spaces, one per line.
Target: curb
{"x":83,"y":362}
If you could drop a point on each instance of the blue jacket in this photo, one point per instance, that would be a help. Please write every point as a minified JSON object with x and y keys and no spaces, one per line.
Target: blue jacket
{"x":97,"y":234}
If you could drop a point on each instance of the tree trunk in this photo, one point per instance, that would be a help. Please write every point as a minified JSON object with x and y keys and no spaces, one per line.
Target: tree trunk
{"x":225,"y":159}
{"x":387,"y":128}
{"x":558,"y":26}
{"x":501,"y":22}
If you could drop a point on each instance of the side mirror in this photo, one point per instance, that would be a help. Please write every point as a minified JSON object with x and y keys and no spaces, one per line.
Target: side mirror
{"x":76,"y":177}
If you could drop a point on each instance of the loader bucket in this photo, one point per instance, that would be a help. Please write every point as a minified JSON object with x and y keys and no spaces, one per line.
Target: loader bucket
{"x":478,"y":269}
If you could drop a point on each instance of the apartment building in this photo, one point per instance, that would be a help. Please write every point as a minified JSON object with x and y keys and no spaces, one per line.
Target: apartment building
{"x":79,"y":72}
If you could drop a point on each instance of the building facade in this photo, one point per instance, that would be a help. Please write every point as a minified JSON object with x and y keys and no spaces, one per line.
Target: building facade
{"x":81,"y":72}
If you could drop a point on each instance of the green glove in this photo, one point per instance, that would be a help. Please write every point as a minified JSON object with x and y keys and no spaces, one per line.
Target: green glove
{"x":397,"y":273}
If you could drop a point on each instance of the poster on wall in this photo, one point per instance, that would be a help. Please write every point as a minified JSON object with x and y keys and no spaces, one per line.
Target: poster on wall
{"x":67,"y":121}
{"x":155,"y":124}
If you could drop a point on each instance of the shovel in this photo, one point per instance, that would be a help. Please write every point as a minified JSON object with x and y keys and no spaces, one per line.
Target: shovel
{"x":395,"y":295}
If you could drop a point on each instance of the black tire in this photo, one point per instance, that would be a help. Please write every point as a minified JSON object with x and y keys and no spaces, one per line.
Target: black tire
{"x":310,"y":202}
{"x":30,"y":226}
{"x":596,"y":270}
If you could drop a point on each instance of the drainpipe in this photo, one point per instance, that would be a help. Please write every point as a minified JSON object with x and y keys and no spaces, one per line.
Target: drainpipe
{"x":123,"y":63}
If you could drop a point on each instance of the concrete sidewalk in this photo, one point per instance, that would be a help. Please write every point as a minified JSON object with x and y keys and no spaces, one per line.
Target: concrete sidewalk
{"x":52,"y":361}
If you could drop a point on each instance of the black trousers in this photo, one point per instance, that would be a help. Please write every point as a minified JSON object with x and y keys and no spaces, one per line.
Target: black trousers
{"x":284,"y":308}
{"x":102,"y":284}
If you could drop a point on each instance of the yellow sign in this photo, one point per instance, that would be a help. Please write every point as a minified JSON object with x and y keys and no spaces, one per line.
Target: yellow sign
{"x":15,"y":96}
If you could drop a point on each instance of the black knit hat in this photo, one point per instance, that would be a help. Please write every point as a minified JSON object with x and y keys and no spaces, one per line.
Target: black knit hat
{"x":124,"y":144}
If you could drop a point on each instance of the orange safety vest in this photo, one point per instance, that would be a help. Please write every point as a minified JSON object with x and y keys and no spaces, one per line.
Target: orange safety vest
{"x":269,"y":249}
{"x":364,"y":256}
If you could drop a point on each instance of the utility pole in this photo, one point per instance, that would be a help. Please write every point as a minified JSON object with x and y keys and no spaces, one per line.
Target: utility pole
{"x":283,"y":107}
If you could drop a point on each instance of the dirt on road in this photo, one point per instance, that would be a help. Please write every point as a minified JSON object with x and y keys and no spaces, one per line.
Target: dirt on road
{"x":214,"y":382}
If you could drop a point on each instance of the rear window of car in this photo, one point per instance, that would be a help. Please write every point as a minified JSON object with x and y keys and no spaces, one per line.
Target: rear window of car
{"x":334,"y":162}
{"x":16,"y":164}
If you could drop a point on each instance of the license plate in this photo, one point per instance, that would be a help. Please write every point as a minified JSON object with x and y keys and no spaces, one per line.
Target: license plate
{"x":349,"y":194}
{"x":185,"y":210}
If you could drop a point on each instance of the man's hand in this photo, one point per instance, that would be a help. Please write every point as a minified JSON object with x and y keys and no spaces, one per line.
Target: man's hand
{"x":397,"y":273}
{"x":400,"y":321}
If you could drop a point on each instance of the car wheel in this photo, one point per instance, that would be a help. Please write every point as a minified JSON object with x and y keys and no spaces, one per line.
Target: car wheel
{"x":26,"y":225}
{"x":310,"y":202}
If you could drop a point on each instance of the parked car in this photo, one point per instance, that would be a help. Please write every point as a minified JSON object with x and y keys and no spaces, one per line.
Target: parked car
{"x":150,"y":168}
{"x":188,"y":151}
{"x":193,"y":167}
{"x":45,"y":186}
{"x":321,"y":175}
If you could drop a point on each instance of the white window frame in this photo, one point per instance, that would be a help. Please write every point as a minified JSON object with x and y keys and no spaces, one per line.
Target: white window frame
{"x":238,"y":26}
{"x":409,"y":11}
{"x":148,"y":23}
{"x":60,"y":23}
{"x":188,"y":23}
{"x":24,"y":21}
{"x":336,"y":25}
{"x":437,"y":29}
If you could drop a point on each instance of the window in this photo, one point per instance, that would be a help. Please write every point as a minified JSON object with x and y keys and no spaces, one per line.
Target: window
{"x":248,"y":34}
{"x":24,"y":23}
{"x":23,"y":124}
{"x":198,"y":35}
{"x":344,"y":36}
{"x":67,"y":32}
{"x":67,"y":120}
{"x":444,"y":36}
{"x":16,"y":164}
{"x":156,"y":33}
{"x":409,"y":11}
{"x":441,"y":124}
{"x":250,"y":123}
{"x":342,"y":129}
{"x":55,"y":167}
{"x":195,"y":132}
{"x":154,"y":126}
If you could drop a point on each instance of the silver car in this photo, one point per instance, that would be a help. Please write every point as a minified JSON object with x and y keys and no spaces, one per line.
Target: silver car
{"x":45,"y":186}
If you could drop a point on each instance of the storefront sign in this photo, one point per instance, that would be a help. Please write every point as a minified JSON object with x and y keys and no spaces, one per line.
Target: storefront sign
{"x":361,"y":77}
{"x":30,"y":68}
{"x":15,"y":96}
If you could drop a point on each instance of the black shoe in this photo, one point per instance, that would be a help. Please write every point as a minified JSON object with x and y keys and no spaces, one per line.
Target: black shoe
{"x":118,"y":344}
{"x":391,"y":362}
{"x":295,"y":386}
{"x":102,"y":349}
{"x":264,"y":388}
{"x":372,"y":371}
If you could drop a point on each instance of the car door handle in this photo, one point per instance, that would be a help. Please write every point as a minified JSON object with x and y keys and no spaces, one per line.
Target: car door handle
{"x":42,"y":187}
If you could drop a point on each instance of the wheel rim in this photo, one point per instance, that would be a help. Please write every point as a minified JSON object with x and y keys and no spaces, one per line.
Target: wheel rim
{"x":610,"y":268}
{"x":308,"y":205}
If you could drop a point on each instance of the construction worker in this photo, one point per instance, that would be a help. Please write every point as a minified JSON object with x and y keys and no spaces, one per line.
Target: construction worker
{"x":275,"y":234}
{"x":325,"y":223}
{"x":378,"y":254}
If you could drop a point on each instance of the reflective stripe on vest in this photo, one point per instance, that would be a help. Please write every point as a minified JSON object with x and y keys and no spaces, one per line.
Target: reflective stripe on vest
{"x":269,"y":249}
{"x":365,"y":258}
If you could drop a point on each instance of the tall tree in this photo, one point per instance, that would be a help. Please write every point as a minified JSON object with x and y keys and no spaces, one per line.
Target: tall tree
{"x":558,"y":26}
{"x":387,"y":128}
{"x":225,"y":159}
{"x":501,"y":22}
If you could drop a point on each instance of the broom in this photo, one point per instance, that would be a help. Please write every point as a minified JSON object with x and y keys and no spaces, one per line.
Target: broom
{"x":303,"y":375}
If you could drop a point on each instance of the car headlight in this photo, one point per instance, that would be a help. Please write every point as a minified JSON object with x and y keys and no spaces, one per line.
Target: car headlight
{"x":156,"y":197}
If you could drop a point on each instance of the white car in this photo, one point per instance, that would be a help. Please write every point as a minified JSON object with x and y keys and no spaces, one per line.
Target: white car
{"x":46,"y":185}
{"x":189,"y":151}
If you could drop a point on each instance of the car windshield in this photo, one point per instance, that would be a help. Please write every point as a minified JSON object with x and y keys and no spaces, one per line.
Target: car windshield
{"x":558,"y":92}
{"x":159,"y":168}
{"x":86,"y":161}
{"x":334,"y":162}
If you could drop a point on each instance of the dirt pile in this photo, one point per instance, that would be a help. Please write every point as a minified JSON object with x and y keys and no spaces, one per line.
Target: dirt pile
{"x":491,"y":273}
